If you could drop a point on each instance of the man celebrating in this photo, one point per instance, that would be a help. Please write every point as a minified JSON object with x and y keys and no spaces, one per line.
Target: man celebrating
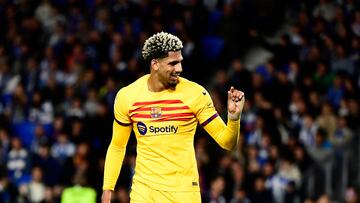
{"x":164,"y":109}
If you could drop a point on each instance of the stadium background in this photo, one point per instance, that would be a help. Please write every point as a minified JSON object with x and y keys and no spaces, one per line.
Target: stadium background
{"x":62,"y":62}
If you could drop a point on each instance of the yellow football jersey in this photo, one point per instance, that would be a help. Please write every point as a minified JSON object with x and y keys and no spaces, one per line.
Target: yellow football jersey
{"x":164,"y":124}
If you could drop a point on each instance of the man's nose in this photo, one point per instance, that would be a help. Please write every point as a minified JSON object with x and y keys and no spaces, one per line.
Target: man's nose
{"x":178,"y":68}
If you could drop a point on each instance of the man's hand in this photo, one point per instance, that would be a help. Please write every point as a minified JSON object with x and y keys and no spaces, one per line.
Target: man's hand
{"x":106,"y":196}
{"x":236,"y":100}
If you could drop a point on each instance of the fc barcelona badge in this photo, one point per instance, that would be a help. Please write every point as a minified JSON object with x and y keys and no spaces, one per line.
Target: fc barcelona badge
{"x":155,"y":112}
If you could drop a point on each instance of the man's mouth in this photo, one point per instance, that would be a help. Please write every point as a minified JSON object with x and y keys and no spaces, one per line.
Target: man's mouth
{"x":174,"y":76}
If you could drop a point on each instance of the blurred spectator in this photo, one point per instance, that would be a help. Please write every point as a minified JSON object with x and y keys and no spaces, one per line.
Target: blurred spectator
{"x":33,"y":191}
{"x":108,"y":92}
{"x":269,"y":171}
{"x":321,"y":150}
{"x":354,"y":114}
{"x":314,"y":103}
{"x":297,"y":109}
{"x":240,"y":75}
{"x":240,"y":196}
{"x":81,"y":164}
{"x":351,"y":195}
{"x":253,"y":160}
{"x":44,"y":13}
{"x":325,"y":10}
{"x":49,"y":67}
{"x":286,"y":182}
{"x":224,"y":169}
{"x":215,"y":194}
{"x":267,"y":71}
{"x":293,"y":72}
{"x":260,"y":193}
{"x":322,"y":153}
{"x":322,"y":77}
{"x":202,"y":160}
{"x":77,"y":134}
{"x":327,"y":120}
{"x":49,"y":165}
{"x":40,"y":139}
{"x":341,"y":63}
{"x":283,"y":126}
{"x":62,"y":148}
{"x":79,"y":193}
{"x":4,"y":145}
{"x":41,"y":110}
{"x":238,"y":174}
{"x":302,"y":159}
{"x":91,"y":104}
{"x":323,"y":199}
{"x":18,"y":162}
{"x":255,"y":135}
{"x":336,"y":92}
{"x":17,"y":108}
{"x":9,"y":192}
{"x":30,"y":75}
{"x":5,"y":76}
{"x":355,"y":25}
{"x":281,"y":99}
{"x":76,"y":108}
{"x":342,"y":135}
{"x":308,"y":131}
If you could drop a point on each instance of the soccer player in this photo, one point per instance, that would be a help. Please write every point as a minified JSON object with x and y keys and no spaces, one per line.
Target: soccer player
{"x":163,"y":109}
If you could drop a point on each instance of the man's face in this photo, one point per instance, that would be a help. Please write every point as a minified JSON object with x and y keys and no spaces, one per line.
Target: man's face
{"x":168,"y":69}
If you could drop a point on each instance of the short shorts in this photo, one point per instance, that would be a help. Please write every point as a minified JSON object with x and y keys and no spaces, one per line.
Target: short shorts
{"x":141,"y":193}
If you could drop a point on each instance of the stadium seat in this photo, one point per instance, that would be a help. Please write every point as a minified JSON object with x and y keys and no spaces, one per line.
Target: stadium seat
{"x":212,"y":47}
{"x":25,"y":131}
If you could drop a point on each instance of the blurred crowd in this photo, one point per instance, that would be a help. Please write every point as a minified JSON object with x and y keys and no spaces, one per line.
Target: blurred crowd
{"x":63,"y":61}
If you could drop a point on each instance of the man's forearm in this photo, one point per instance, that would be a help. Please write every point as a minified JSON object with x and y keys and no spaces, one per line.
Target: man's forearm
{"x":113,"y":162}
{"x":115,"y":155}
{"x":227,"y":136}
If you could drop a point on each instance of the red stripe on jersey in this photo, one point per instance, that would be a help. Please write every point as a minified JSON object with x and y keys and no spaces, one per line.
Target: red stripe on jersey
{"x":158,"y":102}
{"x":173,"y":119}
{"x":177,"y":115}
{"x":141,"y":116}
{"x":162,"y":108}
{"x":172,"y":115}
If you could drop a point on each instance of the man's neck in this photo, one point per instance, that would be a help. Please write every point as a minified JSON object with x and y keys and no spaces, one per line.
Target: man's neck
{"x":154,"y":85}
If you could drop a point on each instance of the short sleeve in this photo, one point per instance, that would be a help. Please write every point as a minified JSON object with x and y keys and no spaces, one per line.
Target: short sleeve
{"x":121,"y":108}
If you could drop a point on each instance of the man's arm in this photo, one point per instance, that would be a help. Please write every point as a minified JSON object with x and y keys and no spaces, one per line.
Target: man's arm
{"x":114,"y":158}
{"x":227,"y":136}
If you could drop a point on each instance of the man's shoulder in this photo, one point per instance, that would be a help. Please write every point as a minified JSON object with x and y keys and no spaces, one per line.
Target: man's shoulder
{"x":186,"y":83}
{"x":192,"y":87}
{"x":128,"y":93}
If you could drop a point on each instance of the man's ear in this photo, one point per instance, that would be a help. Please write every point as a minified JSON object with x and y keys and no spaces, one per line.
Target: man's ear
{"x":154,"y":64}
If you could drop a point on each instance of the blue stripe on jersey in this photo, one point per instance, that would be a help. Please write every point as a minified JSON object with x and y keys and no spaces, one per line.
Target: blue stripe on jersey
{"x":120,"y":123}
{"x":209,"y":119}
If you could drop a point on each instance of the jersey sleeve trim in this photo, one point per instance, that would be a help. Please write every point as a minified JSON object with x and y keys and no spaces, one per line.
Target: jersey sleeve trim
{"x":209,"y":120}
{"x":120,"y":123}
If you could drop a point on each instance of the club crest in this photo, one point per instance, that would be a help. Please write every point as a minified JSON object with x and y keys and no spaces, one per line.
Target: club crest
{"x":155,"y":112}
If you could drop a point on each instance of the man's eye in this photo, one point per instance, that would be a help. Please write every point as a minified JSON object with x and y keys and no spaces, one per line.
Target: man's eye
{"x":173,"y":63}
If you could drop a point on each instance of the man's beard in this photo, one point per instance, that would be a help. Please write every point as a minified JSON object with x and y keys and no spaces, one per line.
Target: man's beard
{"x":172,"y":85}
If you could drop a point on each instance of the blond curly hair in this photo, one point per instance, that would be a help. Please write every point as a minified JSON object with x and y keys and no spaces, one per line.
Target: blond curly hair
{"x":159,"y":44}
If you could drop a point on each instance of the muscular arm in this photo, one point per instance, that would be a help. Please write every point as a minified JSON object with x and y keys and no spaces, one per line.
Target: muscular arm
{"x":115,"y":154}
{"x":227,"y":136}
